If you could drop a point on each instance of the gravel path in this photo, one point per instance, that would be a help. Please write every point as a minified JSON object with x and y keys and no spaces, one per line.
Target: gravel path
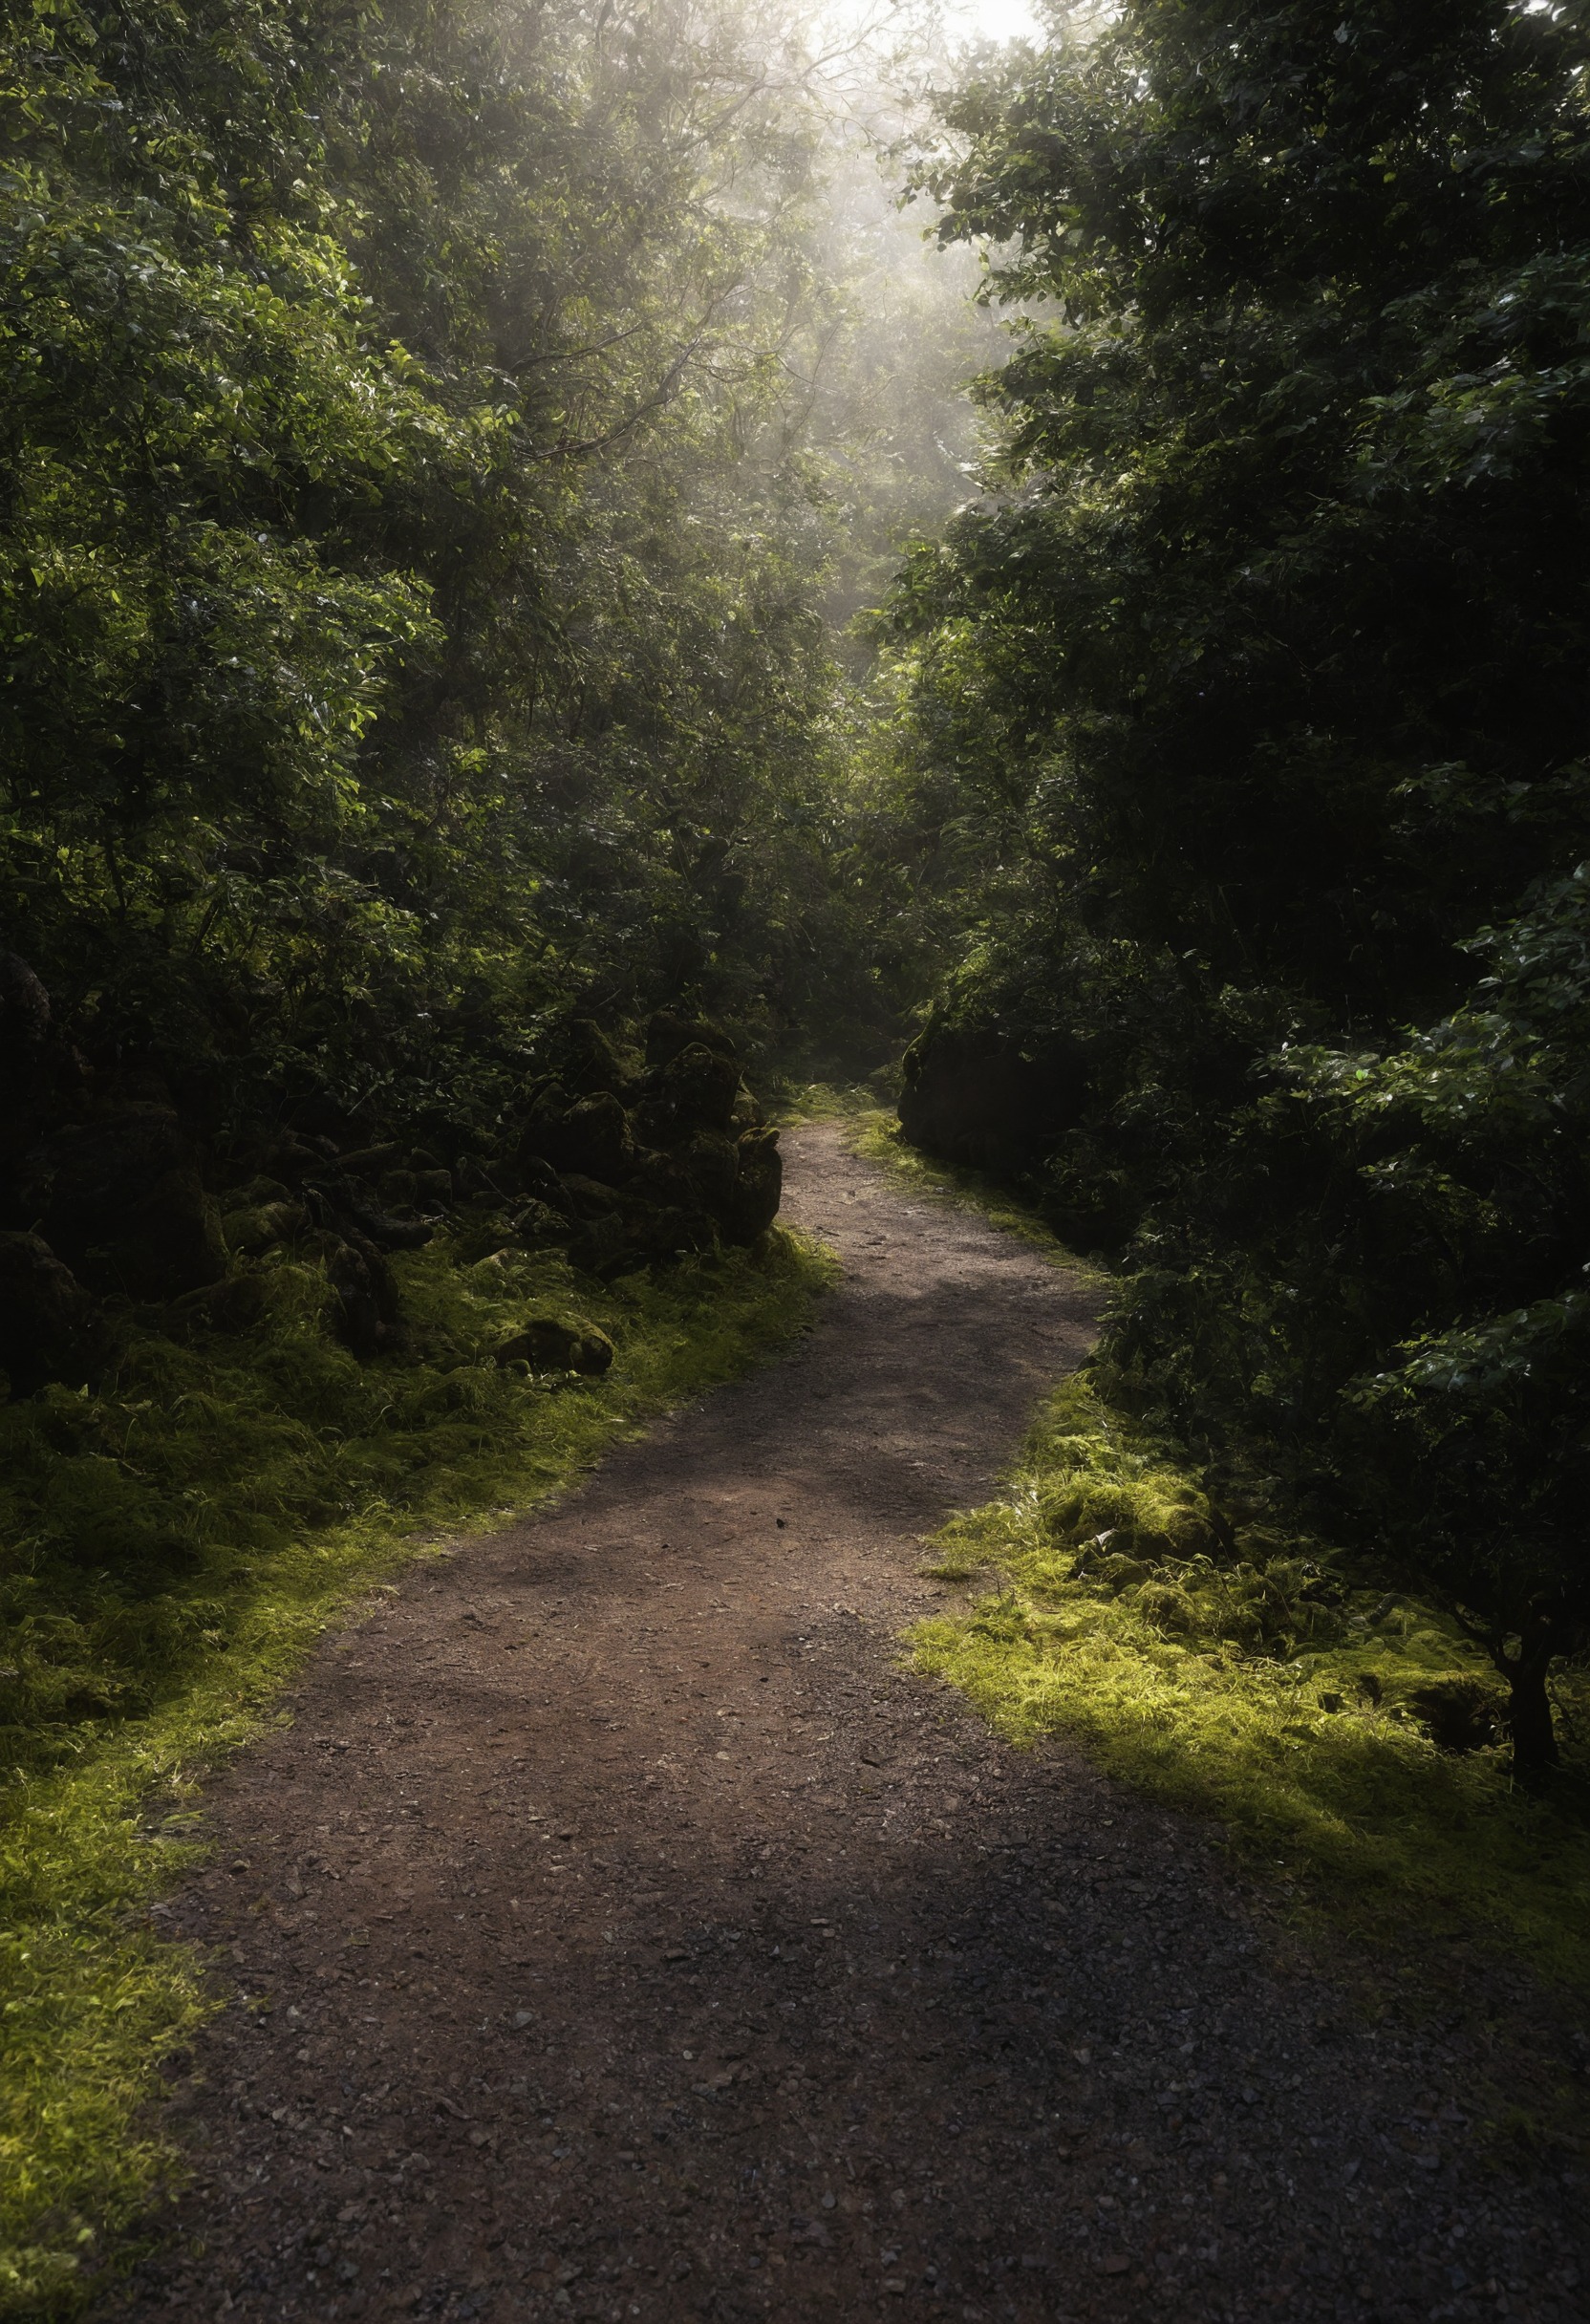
{"x":621,"y":1933}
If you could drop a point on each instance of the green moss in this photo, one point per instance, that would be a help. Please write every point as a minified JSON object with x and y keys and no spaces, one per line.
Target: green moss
{"x":173,"y":1546}
{"x":1246,"y":1676}
{"x":1238,"y":1669}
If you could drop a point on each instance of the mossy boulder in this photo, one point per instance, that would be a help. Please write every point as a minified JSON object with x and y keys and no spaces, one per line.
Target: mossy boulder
{"x":365,"y":1313}
{"x":120,"y":1201}
{"x":644,"y":1165}
{"x":50,"y":1327}
{"x":669,"y":1032}
{"x":257,"y":1226}
{"x":554,"y":1344}
{"x":694,"y":1090}
{"x":758,"y":1188}
{"x":589,"y":1136}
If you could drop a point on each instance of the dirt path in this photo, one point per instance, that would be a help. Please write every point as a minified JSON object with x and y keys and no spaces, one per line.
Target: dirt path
{"x":638,"y":1940}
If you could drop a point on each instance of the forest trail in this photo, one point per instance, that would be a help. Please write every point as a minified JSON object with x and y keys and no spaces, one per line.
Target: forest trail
{"x":638,"y":1938}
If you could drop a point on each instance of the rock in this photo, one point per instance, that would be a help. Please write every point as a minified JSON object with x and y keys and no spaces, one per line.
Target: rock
{"x":587,"y":1062}
{"x":663,"y":1230}
{"x":590,"y":1196}
{"x":119,"y":1199}
{"x":24,"y":1008}
{"x":50,"y":1327}
{"x":537,"y":1222}
{"x":759,"y":1188}
{"x":342,"y":1208}
{"x":259,"y":1225}
{"x":258,"y":1191}
{"x":370,"y":1161}
{"x":233,"y":1305}
{"x":697,"y":1090}
{"x":542,"y":1182}
{"x":548,"y":1344}
{"x":602,"y":1246}
{"x":668,"y":1033}
{"x":709,"y":1163}
{"x":588,"y":1136}
{"x":366,"y":1316}
{"x":973,"y":1095}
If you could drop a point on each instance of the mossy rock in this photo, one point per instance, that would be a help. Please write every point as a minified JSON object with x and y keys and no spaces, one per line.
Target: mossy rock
{"x":552,"y":1343}
{"x":259,"y":1225}
{"x":119,"y":1200}
{"x":588,"y":1136}
{"x":758,"y":1190}
{"x":669,"y":1033}
{"x":50,"y":1327}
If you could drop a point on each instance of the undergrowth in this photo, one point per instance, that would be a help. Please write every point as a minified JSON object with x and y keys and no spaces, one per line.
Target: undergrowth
{"x":1235,"y":1667}
{"x":173,"y":1543}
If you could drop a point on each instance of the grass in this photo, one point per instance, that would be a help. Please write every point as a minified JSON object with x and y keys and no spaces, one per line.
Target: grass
{"x":173,"y":1545}
{"x":1236,"y":1668}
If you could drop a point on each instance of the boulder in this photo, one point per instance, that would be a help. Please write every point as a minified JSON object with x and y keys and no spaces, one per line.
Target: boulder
{"x":365,"y":1313}
{"x":973,"y":1095}
{"x":256,"y":1226}
{"x":234,"y":1304}
{"x":709,"y":1164}
{"x":120,"y":1199}
{"x":369,"y":1161}
{"x":758,"y":1190}
{"x":668,"y":1033}
{"x":590,"y":1196}
{"x":343,"y":1208}
{"x":588,"y":1136}
{"x":50,"y":1327}
{"x":602,"y":1246}
{"x":24,"y":1009}
{"x":537,"y":1222}
{"x":687,"y":1163}
{"x":697,"y":1090}
{"x":548,"y":1344}
{"x":588,"y":1064}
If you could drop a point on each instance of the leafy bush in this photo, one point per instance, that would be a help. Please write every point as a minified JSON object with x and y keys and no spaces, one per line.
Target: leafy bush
{"x":1249,"y":698}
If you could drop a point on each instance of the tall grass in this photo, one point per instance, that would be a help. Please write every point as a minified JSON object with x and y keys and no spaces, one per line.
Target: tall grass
{"x":173,"y":1544}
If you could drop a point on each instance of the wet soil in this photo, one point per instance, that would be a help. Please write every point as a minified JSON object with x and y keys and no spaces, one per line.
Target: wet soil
{"x":621,"y":1930}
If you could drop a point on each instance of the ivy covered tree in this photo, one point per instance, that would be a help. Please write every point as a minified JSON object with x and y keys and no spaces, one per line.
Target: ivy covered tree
{"x":1260,"y":676}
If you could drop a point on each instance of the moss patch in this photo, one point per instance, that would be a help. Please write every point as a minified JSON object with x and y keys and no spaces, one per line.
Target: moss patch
{"x":1236,"y":1669}
{"x":173,"y":1546}
{"x":1238,"y":1672}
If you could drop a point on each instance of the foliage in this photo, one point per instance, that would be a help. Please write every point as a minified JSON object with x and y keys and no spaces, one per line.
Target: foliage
{"x":185,"y":1533}
{"x":1255,"y":675}
{"x":409,"y":566}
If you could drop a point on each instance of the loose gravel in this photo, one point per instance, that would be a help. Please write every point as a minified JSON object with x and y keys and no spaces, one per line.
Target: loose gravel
{"x":620,"y":1931}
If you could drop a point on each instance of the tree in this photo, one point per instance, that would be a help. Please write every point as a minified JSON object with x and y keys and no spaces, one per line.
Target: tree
{"x":1261,"y":672}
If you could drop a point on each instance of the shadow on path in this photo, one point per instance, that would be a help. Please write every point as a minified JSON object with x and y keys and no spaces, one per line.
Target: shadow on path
{"x":624,"y":1934}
